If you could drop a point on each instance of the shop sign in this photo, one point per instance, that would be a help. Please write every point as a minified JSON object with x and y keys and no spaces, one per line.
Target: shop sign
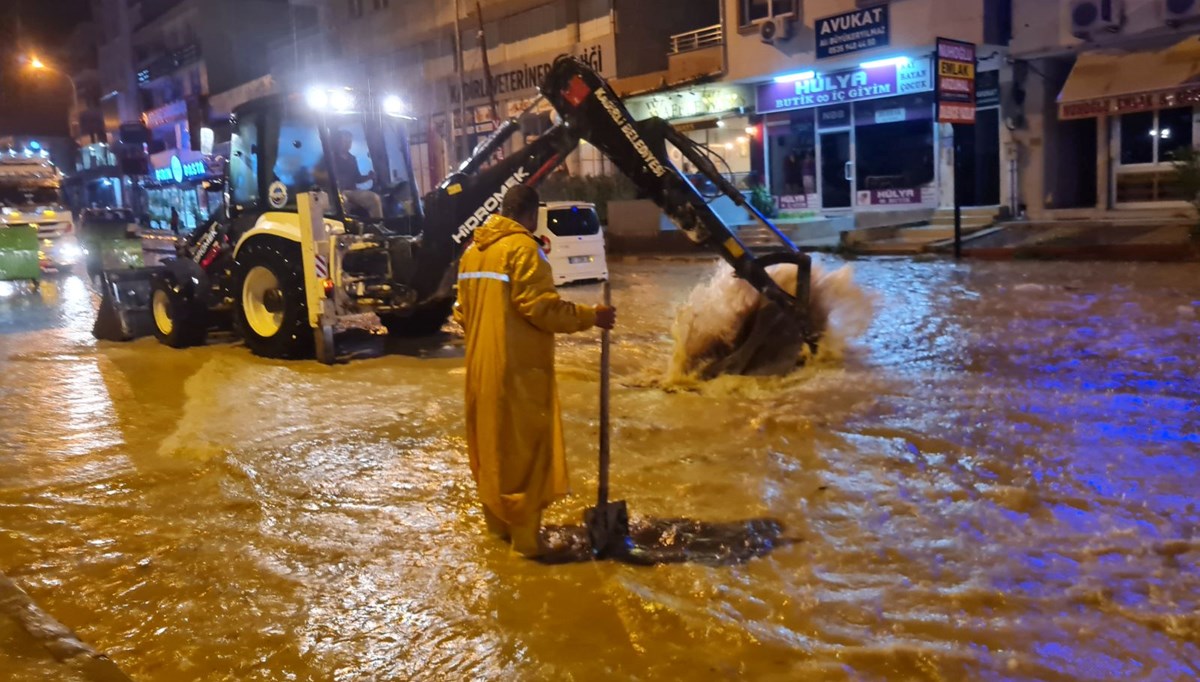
{"x":690,"y":126}
{"x":688,"y":103}
{"x":894,"y":115}
{"x":987,"y":89}
{"x":956,"y":81}
{"x":796,"y":202}
{"x":834,"y":117}
{"x":1127,"y":104}
{"x":904,"y":196}
{"x":166,"y":114}
{"x":178,"y":171}
{"x":863,"y":29}
{"x":847,"y":86}
{"x":524,"y":77}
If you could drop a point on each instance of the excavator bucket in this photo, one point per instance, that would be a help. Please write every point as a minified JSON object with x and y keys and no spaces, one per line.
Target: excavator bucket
{"x":125,"y":312}
{"x":729,"y":327}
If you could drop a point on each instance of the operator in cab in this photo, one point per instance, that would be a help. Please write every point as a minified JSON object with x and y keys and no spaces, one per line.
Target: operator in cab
{"x":510,"y":311}
{"x":346,"y":170}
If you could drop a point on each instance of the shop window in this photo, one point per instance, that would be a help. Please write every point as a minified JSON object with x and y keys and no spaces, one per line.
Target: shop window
{"x":753,"y":11}
{"x":894,"y":143}
{"x":1155,"y":136}
{"x":1137,"y":139}
{"x":1174,"y":132}
{"x":895,"y":155}
{"x":793,"y":155}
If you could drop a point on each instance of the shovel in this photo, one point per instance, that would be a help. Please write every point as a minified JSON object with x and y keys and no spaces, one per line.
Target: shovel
{"x":607,"y":522}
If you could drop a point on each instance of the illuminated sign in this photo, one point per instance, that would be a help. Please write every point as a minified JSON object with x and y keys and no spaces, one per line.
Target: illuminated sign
{"x":178,"y":171}
{"x":956,"y":81}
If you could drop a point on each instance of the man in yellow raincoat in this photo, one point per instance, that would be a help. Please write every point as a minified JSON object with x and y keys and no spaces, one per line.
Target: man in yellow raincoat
{"x":510,"y":310}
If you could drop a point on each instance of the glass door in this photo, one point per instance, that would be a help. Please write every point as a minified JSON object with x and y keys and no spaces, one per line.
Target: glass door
{"x":837,"y":170}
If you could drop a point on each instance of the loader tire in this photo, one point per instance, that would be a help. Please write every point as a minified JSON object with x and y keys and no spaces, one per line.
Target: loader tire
{"x":426,"y":322}
{"x":179,"y":321}
{"x":272,"y":312}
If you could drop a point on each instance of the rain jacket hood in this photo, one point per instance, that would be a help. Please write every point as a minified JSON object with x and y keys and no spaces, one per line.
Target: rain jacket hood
{"x":495,"y":228}
{"x":510,"y":311}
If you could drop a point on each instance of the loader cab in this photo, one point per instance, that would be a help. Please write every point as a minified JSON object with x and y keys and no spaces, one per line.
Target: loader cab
{"x":348,"y":145}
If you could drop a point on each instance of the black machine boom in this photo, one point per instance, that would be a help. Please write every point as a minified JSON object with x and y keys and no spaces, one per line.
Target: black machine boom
{"x":590,"y":110}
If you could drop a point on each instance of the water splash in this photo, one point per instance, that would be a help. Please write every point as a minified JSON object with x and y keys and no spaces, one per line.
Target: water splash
{"x":708,"y":326}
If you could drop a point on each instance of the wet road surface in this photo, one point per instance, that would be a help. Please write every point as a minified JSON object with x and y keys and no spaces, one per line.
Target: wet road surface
{"x":997,"y":482}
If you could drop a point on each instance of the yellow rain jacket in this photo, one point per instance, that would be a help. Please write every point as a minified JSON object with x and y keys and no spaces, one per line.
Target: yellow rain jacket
{"x":510,"y":311}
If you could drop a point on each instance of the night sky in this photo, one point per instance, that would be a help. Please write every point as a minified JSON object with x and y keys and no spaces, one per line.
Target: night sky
{"x":35,"y":104}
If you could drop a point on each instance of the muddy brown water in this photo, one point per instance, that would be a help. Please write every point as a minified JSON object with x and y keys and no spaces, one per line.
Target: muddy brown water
{"x":997,"y":482}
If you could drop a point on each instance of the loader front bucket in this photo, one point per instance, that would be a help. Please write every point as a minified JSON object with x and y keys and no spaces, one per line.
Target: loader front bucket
{"x":125,"y":312}
{"x":19,"y":253}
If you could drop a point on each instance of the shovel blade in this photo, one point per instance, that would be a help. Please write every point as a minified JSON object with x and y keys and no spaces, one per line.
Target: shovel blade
{"x":608,"y":528}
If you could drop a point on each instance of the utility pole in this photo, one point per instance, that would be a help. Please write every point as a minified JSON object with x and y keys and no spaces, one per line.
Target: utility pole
{"x":487,"y":68}
{"x":462,"y":88}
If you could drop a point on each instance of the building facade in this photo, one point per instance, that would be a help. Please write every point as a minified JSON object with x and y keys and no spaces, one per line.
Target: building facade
{"x":430,"y":53}
{"x":158,"y":65}
{"x":1106,"y":102}
{"x":843,"y":102}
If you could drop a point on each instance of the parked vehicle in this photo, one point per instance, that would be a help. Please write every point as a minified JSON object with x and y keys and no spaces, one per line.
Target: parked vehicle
{"x":573,"y":241}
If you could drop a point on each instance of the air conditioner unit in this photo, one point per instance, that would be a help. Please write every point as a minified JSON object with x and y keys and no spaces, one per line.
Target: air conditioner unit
{"x":775,"y":30}
{"x":1179,"y":12}
{"x":1093,"y":17}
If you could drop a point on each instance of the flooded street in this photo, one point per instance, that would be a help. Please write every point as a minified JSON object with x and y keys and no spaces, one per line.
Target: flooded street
{"x":998,"y":481}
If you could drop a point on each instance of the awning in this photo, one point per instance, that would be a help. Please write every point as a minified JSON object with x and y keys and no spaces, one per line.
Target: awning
{"x":1104,"y":83}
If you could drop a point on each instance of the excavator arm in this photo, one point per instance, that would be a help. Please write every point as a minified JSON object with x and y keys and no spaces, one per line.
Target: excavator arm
{"x":771,"y":339}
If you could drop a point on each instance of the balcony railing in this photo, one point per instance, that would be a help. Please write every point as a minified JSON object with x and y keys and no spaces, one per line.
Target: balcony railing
{"x":709,"y":36}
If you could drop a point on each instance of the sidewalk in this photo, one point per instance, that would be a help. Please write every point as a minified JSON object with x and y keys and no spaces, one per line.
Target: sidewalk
{"x":1080,"y":240}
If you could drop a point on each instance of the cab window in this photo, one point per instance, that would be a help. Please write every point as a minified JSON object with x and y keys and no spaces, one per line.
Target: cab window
{"x":243,"y":164}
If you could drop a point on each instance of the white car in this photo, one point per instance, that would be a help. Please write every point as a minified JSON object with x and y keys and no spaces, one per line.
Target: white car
{"x":574,"y":244}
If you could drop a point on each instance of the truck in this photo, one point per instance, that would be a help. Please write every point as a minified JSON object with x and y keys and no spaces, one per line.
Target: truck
{"x":322,"y":225}
{"x":38,"y":230}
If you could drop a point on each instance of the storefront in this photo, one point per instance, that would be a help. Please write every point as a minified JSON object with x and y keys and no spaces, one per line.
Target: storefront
{"x":1149,"y":103}
{"x":858,"y":139}
{"x":714,"y":115}
{"x":181,"y":180}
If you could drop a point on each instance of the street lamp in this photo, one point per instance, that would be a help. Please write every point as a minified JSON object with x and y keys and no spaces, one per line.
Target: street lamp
{"x":37,"y":64}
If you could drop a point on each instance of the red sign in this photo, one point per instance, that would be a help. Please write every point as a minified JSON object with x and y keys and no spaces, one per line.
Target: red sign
{"x":1126,"y":104}
{"x":956,"y":81}
{"x":949,"y":112}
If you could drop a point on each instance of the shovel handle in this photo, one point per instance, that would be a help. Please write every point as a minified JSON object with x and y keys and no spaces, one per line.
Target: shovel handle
{"x":605,"y":352}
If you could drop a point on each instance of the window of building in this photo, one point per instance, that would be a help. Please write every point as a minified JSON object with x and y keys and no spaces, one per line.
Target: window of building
{"x":792,"y":155}
{"x":1137,"y":142}
{"x":754,"y":11}
{"x":380,"y":4}
{"x":1149,"y":141}
{"x":894,"y":143}
{"x":1155,"y":136}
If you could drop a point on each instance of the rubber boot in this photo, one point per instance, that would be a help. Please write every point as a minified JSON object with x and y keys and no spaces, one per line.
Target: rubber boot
{"x":494,"y":525}
{"x":526,"y":537}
